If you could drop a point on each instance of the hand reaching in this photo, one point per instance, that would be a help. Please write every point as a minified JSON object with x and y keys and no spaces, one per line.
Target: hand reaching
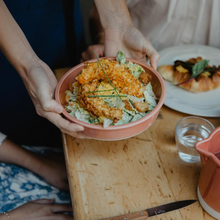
{"x":42,"y":209}
{"x":41,"y":83}
{"x":131,"y":42}
{"x":127,"y":39}
{"x":88,"y":54}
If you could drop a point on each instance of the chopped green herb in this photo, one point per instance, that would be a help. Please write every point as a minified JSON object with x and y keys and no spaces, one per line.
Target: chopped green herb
{"x":106,"y":75}
{"x":101,"y":91}
{"x":93,"y":96}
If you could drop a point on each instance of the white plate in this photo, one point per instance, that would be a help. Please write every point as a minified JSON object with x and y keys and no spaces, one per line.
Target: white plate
{"x":201,"y":104}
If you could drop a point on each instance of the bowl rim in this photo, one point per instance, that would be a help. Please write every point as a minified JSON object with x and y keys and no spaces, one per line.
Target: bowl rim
{"x":118,"y":127}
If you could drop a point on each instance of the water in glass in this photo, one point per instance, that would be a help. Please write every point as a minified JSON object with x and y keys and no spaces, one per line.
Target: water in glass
{"x":188,"y":135}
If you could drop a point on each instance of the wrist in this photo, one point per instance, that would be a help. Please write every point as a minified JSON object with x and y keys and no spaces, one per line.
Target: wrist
{"x":28,"y":61}
{"x":116,"y":33}
{"x":5,"y":216}
{"x":14,"y":215}
{"x":118,"y":25}
{"x":113,"y":13}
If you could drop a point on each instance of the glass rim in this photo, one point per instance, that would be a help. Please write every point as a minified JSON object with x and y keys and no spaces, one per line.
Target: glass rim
{"x":192,"y":117}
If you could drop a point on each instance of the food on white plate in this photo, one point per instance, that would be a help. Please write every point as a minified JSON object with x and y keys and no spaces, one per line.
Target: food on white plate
{"x":194,"y":75}
{"x":110,"y":92}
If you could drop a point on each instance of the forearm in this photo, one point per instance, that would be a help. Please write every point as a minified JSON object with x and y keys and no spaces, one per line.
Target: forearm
{"x":15,"y":154}
{"x":3,"y":217}
{"x":113,"y":13}
{"x":13,"y":42}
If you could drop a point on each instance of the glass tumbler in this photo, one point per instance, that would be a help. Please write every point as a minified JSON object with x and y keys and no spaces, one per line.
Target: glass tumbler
{"x":188,"y":132}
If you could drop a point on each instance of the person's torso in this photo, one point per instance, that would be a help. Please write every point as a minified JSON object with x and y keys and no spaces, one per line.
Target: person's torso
{"x":167,"y":23}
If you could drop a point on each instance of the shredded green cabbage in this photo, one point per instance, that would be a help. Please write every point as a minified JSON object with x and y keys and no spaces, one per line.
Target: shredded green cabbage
{"x":125,"y":119}
{"x":150,"y":97}
{"x":136,"y":117}
{"x":121,"y":57}
{"x":107,"y":122}
{"x":135,"y":69}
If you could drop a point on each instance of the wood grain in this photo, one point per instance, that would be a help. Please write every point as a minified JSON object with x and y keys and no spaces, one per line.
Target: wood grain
{"x":132,"y":216}
{"x":109,"y":179}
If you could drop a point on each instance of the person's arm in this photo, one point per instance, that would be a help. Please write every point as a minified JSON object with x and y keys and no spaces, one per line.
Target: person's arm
{"x":120,"y":34}
{"x":113,"y":13}
{"x":53,"y":171}
{"x":42,"y":209}
{"x":14,"y":44}
{"x":36,"y":75}
{"x":14,"y":154}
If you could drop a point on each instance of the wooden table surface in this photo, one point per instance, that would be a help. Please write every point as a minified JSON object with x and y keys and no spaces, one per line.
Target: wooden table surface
{"x":113,"y":178}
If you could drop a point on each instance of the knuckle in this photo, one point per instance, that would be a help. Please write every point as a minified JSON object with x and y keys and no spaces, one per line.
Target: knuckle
{"x":90,"y":48}
{"x":84,"y":55}
{"x":46,"y":106}
{"x":74,"y":129}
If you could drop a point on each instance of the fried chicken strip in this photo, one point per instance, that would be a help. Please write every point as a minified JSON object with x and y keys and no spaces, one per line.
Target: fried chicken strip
{"x":118,"y":74}
{"x":96,"y":106}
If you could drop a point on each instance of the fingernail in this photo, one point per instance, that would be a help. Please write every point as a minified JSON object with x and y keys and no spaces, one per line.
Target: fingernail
{"x":58,"y":109}
{"x":80,"y":129}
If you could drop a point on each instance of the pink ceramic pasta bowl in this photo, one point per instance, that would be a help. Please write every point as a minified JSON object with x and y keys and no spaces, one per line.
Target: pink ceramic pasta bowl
{"x":118,"y":132}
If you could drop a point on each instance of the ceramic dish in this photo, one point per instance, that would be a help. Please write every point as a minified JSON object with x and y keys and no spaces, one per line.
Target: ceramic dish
{"x":118,"y":132}
{"x":208,"y":188}
{"x":202,"y":104}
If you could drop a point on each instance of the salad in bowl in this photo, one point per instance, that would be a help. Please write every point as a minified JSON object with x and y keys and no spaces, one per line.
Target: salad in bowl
{"x":110,"y":92}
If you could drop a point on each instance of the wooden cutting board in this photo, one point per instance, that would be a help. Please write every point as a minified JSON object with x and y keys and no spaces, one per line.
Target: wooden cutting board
{"x":114,"y":178}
